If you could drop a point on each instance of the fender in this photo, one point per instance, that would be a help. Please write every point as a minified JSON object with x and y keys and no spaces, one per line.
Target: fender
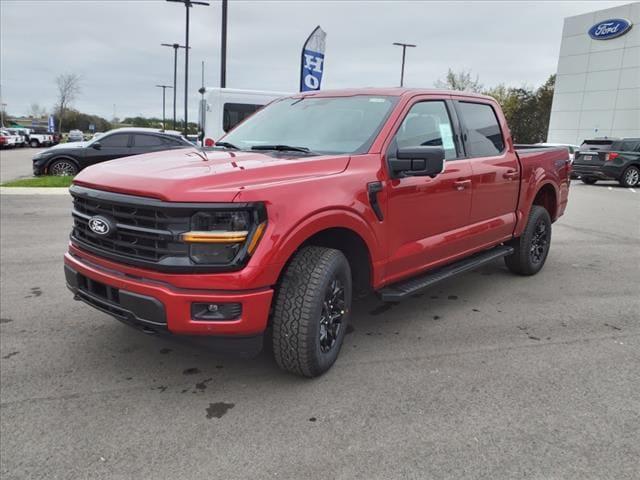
{"x":538,"y":179}
{"x":324,"y":220}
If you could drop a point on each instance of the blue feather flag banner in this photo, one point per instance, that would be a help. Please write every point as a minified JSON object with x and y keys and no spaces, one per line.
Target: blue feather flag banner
{"x":312,"y":61}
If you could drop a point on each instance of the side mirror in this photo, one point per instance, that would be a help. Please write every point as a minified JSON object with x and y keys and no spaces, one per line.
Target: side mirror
{"x":96,"y":145}
{"x":417,"y":162}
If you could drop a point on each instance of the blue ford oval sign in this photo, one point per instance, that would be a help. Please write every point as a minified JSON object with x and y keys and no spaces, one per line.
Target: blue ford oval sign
{"x":608,"y":29}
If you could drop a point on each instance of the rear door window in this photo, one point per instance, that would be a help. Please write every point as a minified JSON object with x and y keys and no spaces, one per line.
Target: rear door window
{"x":483,"y":134}
{"x":629,"y":146}
{"x":234,"y":113}
{"x":147,"y":141}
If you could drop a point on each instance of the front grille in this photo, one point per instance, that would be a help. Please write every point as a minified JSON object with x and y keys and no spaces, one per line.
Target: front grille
{"x":141,"y":233}
{"x":146,"y":232}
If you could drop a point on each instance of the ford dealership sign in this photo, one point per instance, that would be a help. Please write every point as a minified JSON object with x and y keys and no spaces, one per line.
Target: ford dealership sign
{"x":608,"y":29}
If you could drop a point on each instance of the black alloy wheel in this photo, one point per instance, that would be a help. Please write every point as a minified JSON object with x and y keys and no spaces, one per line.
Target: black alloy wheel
{"x":333,"y":310}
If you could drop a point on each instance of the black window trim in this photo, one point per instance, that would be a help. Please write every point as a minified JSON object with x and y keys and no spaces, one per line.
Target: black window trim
{"x":453,"y":119}
{"x":463,"y":128}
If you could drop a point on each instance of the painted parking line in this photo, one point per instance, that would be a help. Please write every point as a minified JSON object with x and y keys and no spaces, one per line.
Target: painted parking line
{"x":632,"y":190}
{"x":34,"y":191}
{"x":610,"y":188}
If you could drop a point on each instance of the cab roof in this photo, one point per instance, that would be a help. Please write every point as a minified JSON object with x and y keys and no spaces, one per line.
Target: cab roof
{"x":388,"y":91}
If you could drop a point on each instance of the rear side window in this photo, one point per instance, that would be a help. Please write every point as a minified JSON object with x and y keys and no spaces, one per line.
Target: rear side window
{"x":628,"y":146}
{"x":118,"y":140}
{"x":234,"y":113}
{"x":427,"y":124}
{"x":150,"y":141}
{"x":484,"y":137}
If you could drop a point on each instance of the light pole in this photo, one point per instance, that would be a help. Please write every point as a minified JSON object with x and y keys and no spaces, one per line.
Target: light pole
{"x":188,"y":4}
{"x":404,"y":50}
{"x":164,"y":89}
{"x":223,"y":47}
{"x":175,"y":47}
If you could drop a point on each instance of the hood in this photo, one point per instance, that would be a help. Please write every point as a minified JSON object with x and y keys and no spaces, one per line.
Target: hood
{"x":186,"y":175}
{"x":66,"y":146}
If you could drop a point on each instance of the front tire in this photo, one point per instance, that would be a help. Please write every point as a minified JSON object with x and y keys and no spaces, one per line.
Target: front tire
{"x":631,"y":177}
{"x":589,"y":180}
{"x":34,"y":143}
{"x":532,"y":248}
{"x":311,"y":311}
{"x":63,"y":167}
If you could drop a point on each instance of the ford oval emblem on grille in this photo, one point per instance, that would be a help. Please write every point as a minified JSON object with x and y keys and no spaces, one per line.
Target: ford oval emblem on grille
{"x":100,"y":225}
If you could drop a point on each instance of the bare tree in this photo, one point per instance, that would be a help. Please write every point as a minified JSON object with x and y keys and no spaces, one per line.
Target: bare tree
{"x":68,"y":89}
{"x":36,"y":111}
{"x":460,"y":81}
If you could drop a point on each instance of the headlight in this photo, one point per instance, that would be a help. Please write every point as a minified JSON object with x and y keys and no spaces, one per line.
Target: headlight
{"x":224,"y":237}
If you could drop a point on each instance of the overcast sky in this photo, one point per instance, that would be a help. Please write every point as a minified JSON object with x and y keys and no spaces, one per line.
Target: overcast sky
{"x":115,"y":46}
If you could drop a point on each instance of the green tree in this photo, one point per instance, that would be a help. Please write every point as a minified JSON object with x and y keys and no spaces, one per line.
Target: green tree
{"x":461,"y":80}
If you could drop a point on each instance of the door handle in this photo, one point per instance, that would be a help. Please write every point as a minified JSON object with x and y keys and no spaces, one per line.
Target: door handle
{"x":462,"y":184}
{"x":510,"y":174}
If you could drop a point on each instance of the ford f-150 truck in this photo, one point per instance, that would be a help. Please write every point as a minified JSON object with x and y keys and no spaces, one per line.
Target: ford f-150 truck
{"x":319,"y":196}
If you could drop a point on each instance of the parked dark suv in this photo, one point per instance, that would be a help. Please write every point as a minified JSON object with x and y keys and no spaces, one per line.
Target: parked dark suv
{"x":609,"y":159}
{"x":70,"y":158}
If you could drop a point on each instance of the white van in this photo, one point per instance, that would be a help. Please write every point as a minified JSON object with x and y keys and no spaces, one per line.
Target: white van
{"x":226,"y":107}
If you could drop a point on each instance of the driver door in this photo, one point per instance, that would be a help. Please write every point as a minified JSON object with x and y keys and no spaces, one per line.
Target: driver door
{"x":111,"y":146}
{"x":427,"y":216}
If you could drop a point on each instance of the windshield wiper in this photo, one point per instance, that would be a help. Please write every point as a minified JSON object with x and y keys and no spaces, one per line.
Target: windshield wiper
{"x":226,"y":145}
{"x":281,"y":148}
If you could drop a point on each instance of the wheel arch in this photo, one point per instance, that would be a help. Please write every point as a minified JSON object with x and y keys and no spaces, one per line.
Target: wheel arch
{"x":341,"y":230}
{"x":547,"y":197}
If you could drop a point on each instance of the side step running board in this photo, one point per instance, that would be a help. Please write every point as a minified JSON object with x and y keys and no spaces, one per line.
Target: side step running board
{"x":405,"y":288}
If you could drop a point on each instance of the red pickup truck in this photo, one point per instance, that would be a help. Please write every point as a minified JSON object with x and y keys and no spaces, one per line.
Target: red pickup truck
{"x":313,"y":199}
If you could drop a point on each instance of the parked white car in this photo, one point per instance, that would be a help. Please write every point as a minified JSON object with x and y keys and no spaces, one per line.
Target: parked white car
{"x":8,"y":140}
{"x":76,"y":136}
{"x":37,"y":140}
{"x":19,"y":135}
{"x":572,"y":148}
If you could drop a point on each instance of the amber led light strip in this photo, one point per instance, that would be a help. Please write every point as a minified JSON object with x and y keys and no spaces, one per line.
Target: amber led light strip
{"x":214,"y":237}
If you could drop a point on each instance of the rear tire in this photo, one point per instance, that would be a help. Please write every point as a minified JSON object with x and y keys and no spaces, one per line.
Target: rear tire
{"x":34,"y":143}
{"x":63,"y":167}
{"x":589,"y":180}
{"x":311,"y":311}
{"x":532,"y":248}
{"x":631,"y":177}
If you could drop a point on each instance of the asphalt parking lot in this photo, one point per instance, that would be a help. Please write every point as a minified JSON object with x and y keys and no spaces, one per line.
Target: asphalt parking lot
{"x":16,"y":163}
{"x":487,"y":376}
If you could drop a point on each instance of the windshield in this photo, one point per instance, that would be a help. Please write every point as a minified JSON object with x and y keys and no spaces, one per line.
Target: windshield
{"x":331,"y":125}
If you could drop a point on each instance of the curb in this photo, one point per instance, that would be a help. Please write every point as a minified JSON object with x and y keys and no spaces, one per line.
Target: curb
{"x":34,"y":191}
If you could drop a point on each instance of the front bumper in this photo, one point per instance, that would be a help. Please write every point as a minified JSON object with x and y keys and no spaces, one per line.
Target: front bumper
{"x":159,"y":307}
{"x":39,"y":167}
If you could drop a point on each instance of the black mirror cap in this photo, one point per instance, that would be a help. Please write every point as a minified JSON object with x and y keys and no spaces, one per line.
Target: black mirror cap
{"x":417,"y":162}
{"x":96,"y":145}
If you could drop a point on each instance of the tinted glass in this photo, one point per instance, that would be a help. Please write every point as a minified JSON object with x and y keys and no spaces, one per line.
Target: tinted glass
{"x":596,"y":145}
{"x":427,"y":124}
{"x":484,"y":137}
{"x":626,"y":146}
{"x":322,"y":124}
{"x":113,"y":141}
{"x":173,"y":142}
{"x":149,"y":141}
{"x":234,"y":113}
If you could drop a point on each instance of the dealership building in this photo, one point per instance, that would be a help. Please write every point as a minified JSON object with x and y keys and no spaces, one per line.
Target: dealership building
{"x":597,"y":91}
